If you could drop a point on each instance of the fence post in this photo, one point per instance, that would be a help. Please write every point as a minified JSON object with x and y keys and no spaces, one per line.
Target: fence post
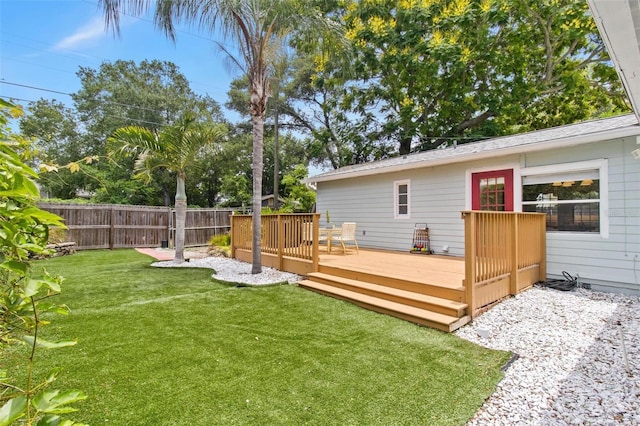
{"x":168,"y":225}
{"x":515,"y":255}
{"x":543,"y":247}
{"x":280,"y":236}
{"x":469,"y":260}
{"x":233,"y":239}
{"x":111,"y":228}
{"x":315,"y":253}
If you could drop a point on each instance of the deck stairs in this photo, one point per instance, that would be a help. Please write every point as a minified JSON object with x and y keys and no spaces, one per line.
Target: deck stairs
{"x":418,"y":302}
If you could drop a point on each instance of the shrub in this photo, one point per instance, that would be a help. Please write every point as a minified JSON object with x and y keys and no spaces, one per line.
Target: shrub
{"x":57,"y":235}
{"x":220,"y":240}
{"x":25,"y":297}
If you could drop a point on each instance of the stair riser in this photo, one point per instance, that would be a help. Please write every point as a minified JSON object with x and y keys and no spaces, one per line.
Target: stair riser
{"x":395,"y":298}
{"x":457,"y":295}
{"x":406,"y":317}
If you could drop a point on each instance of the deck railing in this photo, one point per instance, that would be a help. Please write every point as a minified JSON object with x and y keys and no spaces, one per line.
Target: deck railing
{"x":289,"y":241}
{"x":505,"y":252}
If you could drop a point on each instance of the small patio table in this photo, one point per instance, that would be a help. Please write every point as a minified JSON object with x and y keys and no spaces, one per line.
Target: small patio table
{"x":329,"y":232}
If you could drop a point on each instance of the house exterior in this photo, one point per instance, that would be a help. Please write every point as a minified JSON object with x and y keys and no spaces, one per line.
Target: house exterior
{"x":585,"y":177}
{"x":269,"y":201}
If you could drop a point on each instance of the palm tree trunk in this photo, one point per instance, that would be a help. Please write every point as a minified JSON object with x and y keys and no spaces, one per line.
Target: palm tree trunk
{"x":258,"y":147}
{"x":181,"y":216}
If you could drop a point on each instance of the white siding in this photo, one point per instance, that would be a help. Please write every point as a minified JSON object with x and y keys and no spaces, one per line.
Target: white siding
{"x":611,"y":263}
{"x":438,"y":196}
{"x":368,"y":201}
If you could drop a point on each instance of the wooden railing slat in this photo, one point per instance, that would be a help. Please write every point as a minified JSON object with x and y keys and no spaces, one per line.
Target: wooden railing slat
{"x":283,"y":235}
{"x":500,"y":245}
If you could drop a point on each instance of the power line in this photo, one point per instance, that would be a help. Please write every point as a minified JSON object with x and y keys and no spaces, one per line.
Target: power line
{"x":204,"y":87}
{"x":75,"y":54}
{"x":70,"y":94}
{"x":38,"y":65}
{"x":90,"y":58}
{"x":74,"y":111}
{"x":35,"y":88}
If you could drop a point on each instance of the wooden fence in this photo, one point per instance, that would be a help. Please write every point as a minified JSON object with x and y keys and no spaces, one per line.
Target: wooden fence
{"x":108,"y":226}
{"x":289,"y":241}
{"x":505,"y":252}
{"x":203,"y":223}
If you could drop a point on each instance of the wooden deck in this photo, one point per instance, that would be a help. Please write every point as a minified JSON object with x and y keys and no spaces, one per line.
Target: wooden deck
{"x":424,"y":289}
{"x":505,"y":254}
{"x":443,"y":271}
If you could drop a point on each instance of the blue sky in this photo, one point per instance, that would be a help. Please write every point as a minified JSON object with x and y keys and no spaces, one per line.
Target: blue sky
{"x":44,"y":42}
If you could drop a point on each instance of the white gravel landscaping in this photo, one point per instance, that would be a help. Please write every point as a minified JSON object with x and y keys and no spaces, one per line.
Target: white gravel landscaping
{"x":234,"y":271}
{"x":579,"y":358}
{"x":578,"y":352}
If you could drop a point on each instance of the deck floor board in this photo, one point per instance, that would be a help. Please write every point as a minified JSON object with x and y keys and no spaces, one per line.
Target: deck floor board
{"x":444,"y":271}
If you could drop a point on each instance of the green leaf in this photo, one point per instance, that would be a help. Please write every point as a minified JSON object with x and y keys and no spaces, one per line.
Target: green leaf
{"x":13,"y":410}
{"x":52,"y":307}
{"x":32,"y":247}
{"x":32,"y":288}
{"x":55,"y":420}
{"x":46,"y":344}
{"x":15,"y":266}
{"x":44,"y":216}
{"x":49,"y":420}
{"x":37,"y":284}
{"x":42,"y":401}
{"x":53,"y":375}
{"x":55,"y":402}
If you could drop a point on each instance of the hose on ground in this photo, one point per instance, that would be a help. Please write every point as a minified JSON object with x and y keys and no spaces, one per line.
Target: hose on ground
{"x":567,"y":284}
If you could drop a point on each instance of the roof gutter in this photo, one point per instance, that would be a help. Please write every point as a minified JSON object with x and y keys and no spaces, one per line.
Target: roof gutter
{"x":630,"y":74}
{"x":520,"y":149}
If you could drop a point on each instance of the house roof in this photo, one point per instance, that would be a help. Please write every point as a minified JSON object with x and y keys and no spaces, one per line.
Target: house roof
{"x":556,"y":137}
{"x":271,"y":196}
{"x":618,"y":22}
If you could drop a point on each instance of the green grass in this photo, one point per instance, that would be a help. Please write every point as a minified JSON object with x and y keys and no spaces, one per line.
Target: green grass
{"x":174,"y":347}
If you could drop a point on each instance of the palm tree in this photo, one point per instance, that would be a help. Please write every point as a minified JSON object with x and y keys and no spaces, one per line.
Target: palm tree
{"x":173,"y":148}
{"x":258,"y":28}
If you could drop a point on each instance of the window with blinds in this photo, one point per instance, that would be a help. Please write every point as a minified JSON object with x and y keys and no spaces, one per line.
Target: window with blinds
{"x":571,"y":200}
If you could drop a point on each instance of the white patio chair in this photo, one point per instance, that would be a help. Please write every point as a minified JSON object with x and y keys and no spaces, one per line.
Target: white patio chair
{"x":348,"y":234}
{"x":307,"y":234}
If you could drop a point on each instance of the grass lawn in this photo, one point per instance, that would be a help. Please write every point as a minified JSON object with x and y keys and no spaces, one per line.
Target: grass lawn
{"x":164,"y":346}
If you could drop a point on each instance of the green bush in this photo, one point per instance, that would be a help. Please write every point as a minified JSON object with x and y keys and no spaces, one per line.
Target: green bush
{"x":25,"y":297}
{"x":220,"y":240}
{"x":57,"y":235}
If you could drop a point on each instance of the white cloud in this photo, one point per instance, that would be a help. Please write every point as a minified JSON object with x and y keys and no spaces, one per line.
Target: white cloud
{"x":91,"y":31}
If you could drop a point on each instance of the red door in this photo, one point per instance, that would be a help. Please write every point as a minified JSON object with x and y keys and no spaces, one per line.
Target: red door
{"x":492,"y":190}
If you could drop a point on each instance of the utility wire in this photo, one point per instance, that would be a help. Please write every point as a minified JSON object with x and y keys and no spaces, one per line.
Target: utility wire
{"x":75,"y":53}
{"x":70,"y":94}
{"x":73,"y":111}
{"x":35,"y":88}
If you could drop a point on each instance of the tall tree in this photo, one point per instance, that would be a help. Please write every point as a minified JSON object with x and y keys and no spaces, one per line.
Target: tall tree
{"x":429,"y":71}
{"x":58,"y":140}
{"x":312,"y":105}
{"x":151,"y":94}
{"x":173,"y":148}
{"x":318,"y":101}
{"x":258,"y":28}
